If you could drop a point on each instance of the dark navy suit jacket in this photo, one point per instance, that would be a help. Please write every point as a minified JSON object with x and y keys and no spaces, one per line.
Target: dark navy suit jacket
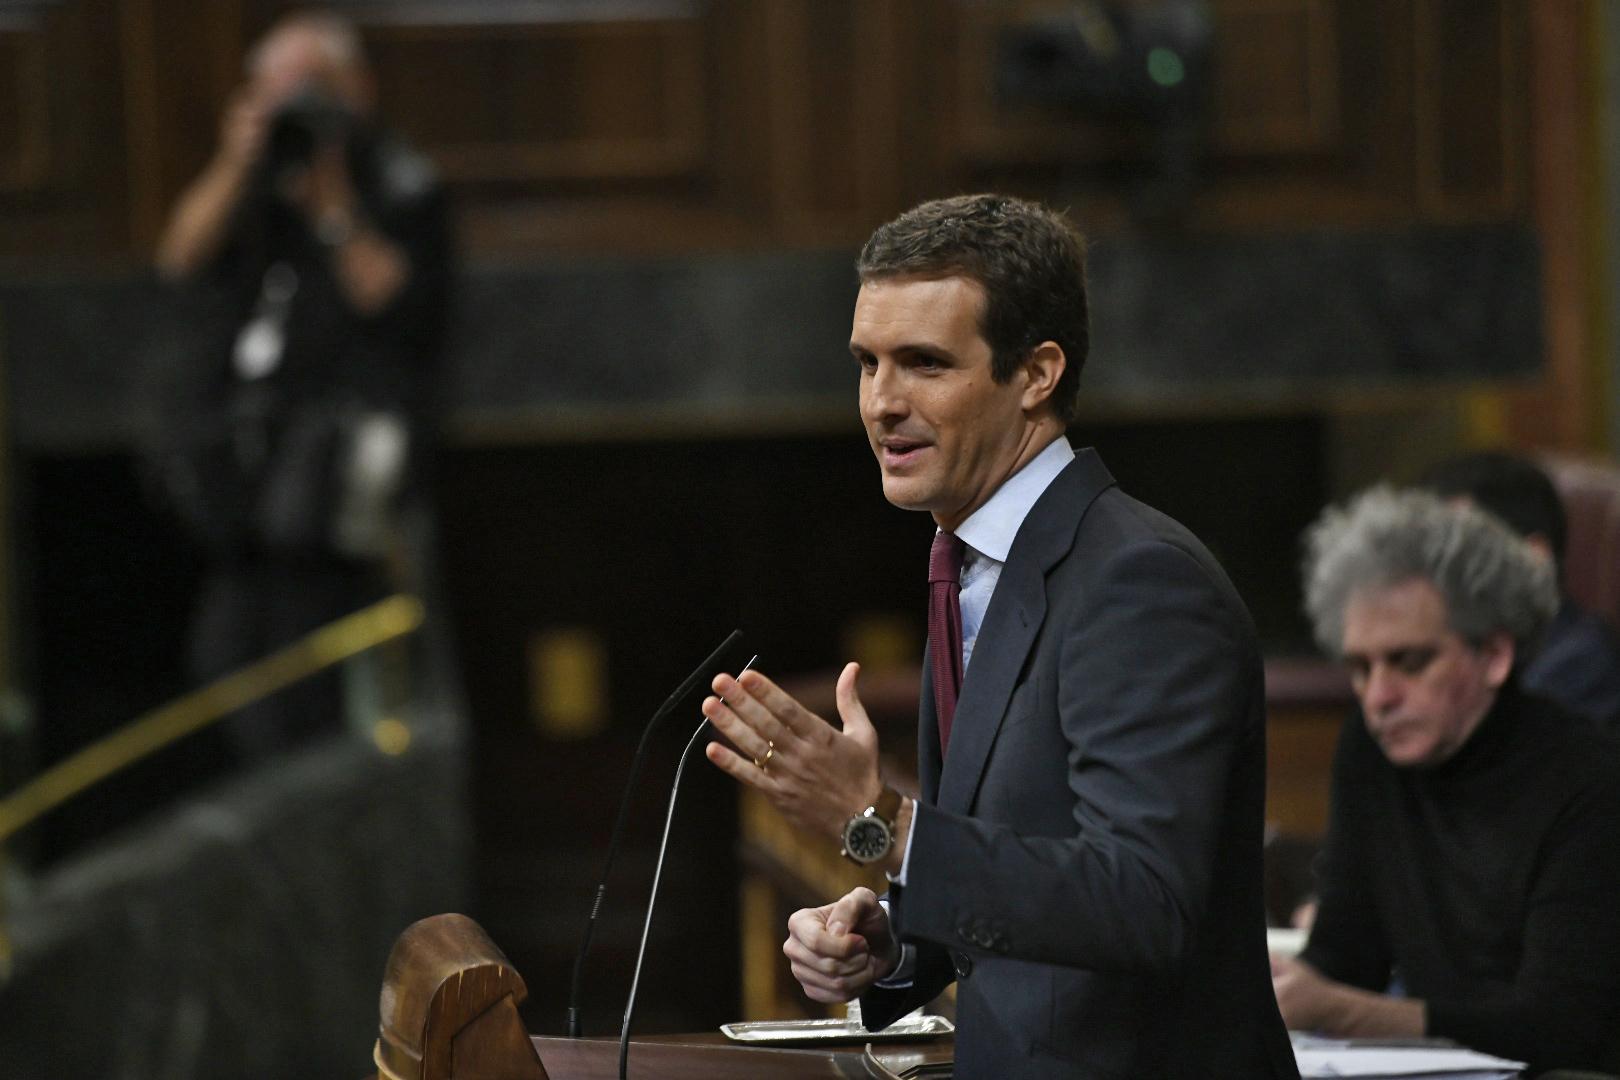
{"x":1086,"y":863}
{"x":1578,"y":666}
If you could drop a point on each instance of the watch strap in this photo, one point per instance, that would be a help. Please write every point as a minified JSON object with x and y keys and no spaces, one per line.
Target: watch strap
{"x":887,"y":806}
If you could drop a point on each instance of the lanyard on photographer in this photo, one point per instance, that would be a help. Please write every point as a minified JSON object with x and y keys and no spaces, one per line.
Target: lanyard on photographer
{"x":260,"y":346}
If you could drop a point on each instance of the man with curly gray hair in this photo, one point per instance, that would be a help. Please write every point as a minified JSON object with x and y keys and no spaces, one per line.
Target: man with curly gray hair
{"x":1470,"y":859}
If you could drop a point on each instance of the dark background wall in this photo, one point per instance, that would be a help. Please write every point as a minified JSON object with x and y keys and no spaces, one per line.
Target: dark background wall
{"x":689,"y":125}
{"x":1382,"y":255}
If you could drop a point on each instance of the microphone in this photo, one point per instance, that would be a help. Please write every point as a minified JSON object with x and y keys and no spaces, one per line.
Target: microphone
{"x":658,"y":873}
{"x":577,"y":983}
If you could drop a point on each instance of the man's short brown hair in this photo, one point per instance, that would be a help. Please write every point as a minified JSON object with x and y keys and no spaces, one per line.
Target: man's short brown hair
{"x":1030,"y":261}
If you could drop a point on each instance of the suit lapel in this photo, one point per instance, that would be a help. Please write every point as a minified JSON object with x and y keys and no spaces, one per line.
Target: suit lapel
{"x":928,"y":763}
{"x":1010,"y":625}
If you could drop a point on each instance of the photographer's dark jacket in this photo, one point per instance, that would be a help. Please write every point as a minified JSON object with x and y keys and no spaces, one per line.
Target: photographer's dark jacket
{"x":251,"y":459}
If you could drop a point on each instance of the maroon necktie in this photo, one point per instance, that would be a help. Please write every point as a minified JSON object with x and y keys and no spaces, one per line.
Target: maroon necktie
{"x":945,"y":629}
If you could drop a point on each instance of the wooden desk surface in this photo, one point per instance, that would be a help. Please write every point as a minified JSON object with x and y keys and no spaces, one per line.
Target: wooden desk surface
{"x":714,"y":1057}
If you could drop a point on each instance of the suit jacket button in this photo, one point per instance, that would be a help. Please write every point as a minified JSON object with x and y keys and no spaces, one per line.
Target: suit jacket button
{"x":963,"y":964}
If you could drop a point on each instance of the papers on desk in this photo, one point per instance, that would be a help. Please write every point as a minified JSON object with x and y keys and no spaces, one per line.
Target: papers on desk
{"x":1383,"y":1060}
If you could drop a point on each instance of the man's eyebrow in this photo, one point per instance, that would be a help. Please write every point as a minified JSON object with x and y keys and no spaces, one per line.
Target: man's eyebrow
{"x":916,"y":348}
{"x":1393,"y":651}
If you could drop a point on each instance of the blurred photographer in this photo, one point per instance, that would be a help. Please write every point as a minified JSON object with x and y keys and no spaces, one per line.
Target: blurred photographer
{"x":311,"y":260}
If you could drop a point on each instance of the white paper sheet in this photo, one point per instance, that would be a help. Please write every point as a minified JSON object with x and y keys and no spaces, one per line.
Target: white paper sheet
{"x":1321,"y":1058}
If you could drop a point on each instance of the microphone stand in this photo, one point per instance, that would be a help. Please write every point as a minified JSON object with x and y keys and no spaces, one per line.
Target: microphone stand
{"x":576,"y":985}
{"x":646,"y":926}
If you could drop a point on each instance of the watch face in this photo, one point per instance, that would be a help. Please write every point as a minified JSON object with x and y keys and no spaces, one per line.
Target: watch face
{"x":866,"y":840}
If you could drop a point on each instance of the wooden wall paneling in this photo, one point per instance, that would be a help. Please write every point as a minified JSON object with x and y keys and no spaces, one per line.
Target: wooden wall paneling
{"x":833,"y":131}
{"x":24,"y":104}
{"x":1563,"y":412}
{"x":1323,"y":137}
{"x":988,"y":134}
{"x":1469,"y":107}
{"x":1299,"y":767}
{"x":1323,"y":112}
{"x":1284,"y":159}
{"x":1276,"y":87}
{"x":1424,"y":119}
{"x":872,"y":97}
{"x":1275,"y":90}
{"x":1284,"y":117}
{"x":62,"y":172}
{"x":691,"y":125}
{"x":787,"y":30}
{"x":1377,"y":74}
{"x":179,"y":74}
{"x":742,"y":175}
{"x":924,"y":101}
{"x":138,"y":47}
{"x":502,"y":102}
{"x":626,"y":127}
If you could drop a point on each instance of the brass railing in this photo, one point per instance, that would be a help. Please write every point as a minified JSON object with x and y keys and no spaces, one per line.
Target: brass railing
{"x":337,"y":641}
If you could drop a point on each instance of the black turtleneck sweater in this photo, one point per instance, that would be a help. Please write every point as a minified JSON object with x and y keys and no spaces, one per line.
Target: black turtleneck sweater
{"x":1487,"y":886}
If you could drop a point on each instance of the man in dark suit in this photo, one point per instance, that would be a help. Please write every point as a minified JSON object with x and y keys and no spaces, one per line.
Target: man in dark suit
{"x":1085,"y":858}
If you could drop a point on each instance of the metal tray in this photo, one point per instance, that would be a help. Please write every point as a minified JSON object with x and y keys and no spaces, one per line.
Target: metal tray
{"x":802,"y":1032}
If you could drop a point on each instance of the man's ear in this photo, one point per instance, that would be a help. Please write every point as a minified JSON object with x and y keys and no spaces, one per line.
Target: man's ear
{"x":1539,"y":544}
{"x":1498,"y":651}
{"x":1042,"y":368}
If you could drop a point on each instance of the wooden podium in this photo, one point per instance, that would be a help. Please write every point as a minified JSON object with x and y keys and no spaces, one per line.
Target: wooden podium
{"x":449,"y":1012}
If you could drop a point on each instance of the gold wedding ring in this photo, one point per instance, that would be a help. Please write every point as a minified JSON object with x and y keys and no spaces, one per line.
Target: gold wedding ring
{"x":761,"y":763}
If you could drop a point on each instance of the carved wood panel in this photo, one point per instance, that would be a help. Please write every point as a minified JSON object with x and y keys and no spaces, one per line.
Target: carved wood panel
{"x":684,"y":125}
{"x":62,"y":149}
{"x":605,"y":99}
{"x":179,"y":70}
{"x":816,"y":131}
{"x":24,"y":103}
{"x":1319,"y":111}
{"x":1275,"y":86}
{"x":1471,"y":105}
{"x":1277,"y":82}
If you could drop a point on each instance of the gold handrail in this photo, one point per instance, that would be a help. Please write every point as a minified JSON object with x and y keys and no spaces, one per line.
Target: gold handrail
{"x":351,"y":635}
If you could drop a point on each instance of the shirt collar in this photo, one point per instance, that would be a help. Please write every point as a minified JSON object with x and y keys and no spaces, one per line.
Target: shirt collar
{"x":990,"y":529}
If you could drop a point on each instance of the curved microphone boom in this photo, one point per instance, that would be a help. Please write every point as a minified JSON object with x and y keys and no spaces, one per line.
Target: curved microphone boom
{"x":658,"y":873}
{"x":674,"y":699}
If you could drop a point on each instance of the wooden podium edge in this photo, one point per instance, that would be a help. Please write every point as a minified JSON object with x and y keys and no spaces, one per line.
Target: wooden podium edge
{"x":449,"y":1007}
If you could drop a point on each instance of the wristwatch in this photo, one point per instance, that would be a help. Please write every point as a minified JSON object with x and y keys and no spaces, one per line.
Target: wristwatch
{"x":869,"y":835}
